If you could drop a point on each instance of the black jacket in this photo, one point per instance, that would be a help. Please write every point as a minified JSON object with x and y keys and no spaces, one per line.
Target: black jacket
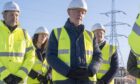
{"x":132,"y":65}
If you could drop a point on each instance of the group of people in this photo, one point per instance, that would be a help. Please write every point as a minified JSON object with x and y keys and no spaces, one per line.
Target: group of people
{"x":68,"y":55}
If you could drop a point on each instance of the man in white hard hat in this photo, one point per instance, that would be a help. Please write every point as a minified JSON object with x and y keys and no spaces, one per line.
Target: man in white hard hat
{"x":74,"y":57}
{"x":109,"y":67}
{"x":16,"y":49}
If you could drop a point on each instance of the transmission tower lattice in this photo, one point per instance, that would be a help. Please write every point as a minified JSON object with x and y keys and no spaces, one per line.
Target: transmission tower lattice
{"x":113,"y":37}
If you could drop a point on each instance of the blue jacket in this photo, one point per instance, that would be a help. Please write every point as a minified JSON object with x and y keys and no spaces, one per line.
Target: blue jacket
{"x":77,"y":51}
{"x":113,"y":66}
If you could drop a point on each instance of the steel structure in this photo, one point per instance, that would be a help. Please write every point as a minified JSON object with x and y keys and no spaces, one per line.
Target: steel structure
{"x":113,"y":36}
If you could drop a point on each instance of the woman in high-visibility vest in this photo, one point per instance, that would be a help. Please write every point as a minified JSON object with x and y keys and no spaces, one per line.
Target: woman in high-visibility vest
{"x":41,"y":72}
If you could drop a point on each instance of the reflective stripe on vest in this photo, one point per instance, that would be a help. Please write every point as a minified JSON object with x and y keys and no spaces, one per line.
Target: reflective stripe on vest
{"x":64,"y":50}
{"x":11,"y":54}
{"x":2,"y":68}
{"x":24,"y":69}
{"x":29,"y":48}
{"x":107,"y":52}
{"x":15,"y":53}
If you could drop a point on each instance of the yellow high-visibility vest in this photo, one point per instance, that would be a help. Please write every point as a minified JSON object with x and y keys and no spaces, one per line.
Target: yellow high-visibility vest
{"x":134,"y":42}
{"x":107,"y":52}
{"x":39,"y":67}
{"x":17,"y":54}
{"x":64,"y":51}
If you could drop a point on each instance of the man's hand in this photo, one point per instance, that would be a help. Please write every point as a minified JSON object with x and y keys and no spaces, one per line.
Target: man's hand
{"x":79,"y":73}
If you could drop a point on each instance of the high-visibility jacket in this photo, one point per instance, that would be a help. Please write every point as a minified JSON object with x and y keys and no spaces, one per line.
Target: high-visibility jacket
{"x":134,"y":42}
{"x":64,"y":51}
{"x":41,"y":68}
{"x":17,"y":53}
{"x":107,"y":52}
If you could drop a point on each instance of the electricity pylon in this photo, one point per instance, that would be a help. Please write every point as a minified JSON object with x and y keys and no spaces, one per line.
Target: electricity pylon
{"x":113,"y":36}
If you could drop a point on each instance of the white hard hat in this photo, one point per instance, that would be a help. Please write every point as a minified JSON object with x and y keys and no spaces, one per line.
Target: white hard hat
{"x":78,"y":4}
{"x":42,"y":29}
{"x":11,"y":6}
{"x":97,"y":26}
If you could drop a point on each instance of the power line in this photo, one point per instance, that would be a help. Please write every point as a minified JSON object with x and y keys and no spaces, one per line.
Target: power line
{"x":113,"y":36}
